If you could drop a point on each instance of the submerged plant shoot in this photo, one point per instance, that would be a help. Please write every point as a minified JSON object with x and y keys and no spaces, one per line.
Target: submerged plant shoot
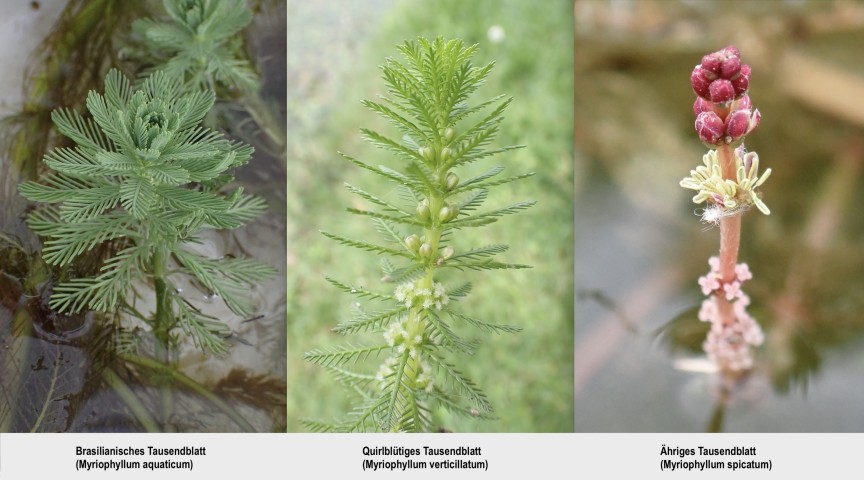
{"x":132,"y":207}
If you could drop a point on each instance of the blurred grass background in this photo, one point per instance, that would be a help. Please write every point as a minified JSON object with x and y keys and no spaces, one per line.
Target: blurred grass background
{"x":334,"y":49}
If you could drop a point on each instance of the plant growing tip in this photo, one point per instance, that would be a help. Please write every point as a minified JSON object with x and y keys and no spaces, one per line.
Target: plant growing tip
{"x":199,"y":43}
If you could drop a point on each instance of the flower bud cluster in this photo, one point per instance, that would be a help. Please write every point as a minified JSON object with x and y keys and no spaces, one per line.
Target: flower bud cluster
{"x":429,"y":155}
{"x":400,"y":334}
{"x":423,"y":380}
{"x":446,"y":213}
{"x":423,"y":377}
{"x":411,"y":295}
{"x":713,"y":282}
{"x":729,"y":343}
{"x":720,"y":76}
{"x":724,"y":112}
{"x":716,"y":126}
{"x":407,"y":336}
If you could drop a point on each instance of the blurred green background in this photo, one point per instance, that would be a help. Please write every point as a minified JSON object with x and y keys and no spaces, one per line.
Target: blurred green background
{"x":334,"y":50}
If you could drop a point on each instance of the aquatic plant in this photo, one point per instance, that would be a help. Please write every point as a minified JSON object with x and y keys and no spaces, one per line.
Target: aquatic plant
{"x":144,"y":173}
{"x":149,"y":318}
{"x":728,"y":182}
{"x":147,"y":177}
{"x":442,"y":134}
{"x":199,"y":43}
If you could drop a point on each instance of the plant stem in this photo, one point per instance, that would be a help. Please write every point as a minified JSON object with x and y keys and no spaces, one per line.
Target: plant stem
{"x":170,"y":371}
{"x":17,"y":343}
{"x":131,"y":400}
{"x":417,"y":322}
{"x":730,"y":239}
{"x":730,"y":227}
{"x":162,"y":331}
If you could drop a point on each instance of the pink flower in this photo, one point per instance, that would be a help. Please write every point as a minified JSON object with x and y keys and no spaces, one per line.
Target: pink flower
{"x":709,"y":283}
{"x":732,"y":290}
{"x":714,"y":263}
{"x":708,"y":311}
{"x":742,"y":272}
{"x":730,"y":341}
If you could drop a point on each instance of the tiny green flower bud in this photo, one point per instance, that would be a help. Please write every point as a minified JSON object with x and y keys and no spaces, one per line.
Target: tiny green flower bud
{"x":426,"y":153}
{"x":447,"y":252}
{"x":446,"y":153}
{"x":423,"y":210}
{"x":449,"y":134}
{"x":425,"y":250}
{"x":445,"y":214}
{"x":412,"y":242}
{"x":451,"y":181}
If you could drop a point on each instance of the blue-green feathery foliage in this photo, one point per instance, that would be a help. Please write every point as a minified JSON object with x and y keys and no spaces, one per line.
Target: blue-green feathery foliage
{"x":200,"y":43}
{"x":145,"y":175}
{"x":441,"y":133}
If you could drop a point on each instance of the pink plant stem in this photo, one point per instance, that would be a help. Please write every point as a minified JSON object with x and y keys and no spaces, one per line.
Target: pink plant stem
{"x":730,"y":239}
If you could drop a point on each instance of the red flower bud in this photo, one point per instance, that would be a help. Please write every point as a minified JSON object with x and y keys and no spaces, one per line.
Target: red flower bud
{"x":730,"y":67}
{"x":740,"y":123}
{"x":737,"y":124}
{"x":742,"y":82}
{"x":700,"y":82}
{"x":730,"y":51}
{"x":744,"y":103}
{"x":719,"y":79}
{"x":721,"y":91}
{"x":754,"y":121}
{"x":710,"y":128}
{"x":711,"y":63}
{"x":702,"y":105}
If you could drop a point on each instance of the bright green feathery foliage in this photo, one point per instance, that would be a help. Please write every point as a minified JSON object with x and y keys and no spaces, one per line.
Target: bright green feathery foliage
{"x":147,"y":176}
{"x":429,"y":91}
{"x":200,"y":43}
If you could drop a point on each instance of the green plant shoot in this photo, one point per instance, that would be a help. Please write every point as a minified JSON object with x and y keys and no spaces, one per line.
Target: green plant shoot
{"x":200,"y":43}
{"x":146,"y":176}
{"x":441,"y":134}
